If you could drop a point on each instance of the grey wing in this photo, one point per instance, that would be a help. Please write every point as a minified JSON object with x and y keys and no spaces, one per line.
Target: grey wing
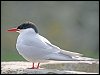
{"x":61,"y":51}
{"x":60,"y":54}
{"x":73,"y":54}
{"x":40,"y":42}
{"x":53,"y":47}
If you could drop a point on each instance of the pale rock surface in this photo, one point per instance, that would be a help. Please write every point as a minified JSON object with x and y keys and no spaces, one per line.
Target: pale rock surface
{"x":53,"y":67}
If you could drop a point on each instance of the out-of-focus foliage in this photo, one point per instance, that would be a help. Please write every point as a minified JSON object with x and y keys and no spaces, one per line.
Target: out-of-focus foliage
{"x":71,"y":25}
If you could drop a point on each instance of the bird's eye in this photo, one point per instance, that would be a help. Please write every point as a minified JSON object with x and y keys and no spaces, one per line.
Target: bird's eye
{"x":20,"y":27}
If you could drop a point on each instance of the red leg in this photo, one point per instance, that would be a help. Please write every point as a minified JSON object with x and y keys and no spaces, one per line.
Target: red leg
{"x":38,"y":66}
{"x":33,"y":66}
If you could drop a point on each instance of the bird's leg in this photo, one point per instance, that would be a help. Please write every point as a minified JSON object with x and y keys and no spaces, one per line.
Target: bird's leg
{"x":33,"y":66}
{"x":38,"y":66}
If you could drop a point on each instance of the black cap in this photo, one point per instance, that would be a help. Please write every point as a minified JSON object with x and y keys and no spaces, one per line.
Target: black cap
{"x":28,"y":25}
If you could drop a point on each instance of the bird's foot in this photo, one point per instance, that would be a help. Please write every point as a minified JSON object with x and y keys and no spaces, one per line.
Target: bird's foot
{"x":33,"y":67}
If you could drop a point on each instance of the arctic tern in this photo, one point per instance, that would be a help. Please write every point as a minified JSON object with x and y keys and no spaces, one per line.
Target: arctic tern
{"x":35,"y":48}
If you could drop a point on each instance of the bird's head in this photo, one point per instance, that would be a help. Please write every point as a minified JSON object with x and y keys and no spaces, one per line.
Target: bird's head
{"x":27,"y":26}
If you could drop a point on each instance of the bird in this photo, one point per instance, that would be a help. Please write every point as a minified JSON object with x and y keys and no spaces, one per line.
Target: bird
{"x":36,"y":48}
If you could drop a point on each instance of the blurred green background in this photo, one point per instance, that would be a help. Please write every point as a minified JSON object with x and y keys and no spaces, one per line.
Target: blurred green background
{"x":71,"y":25}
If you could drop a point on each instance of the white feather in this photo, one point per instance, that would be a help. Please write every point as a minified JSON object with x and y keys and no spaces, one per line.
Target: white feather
{"x":34,"y":47}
